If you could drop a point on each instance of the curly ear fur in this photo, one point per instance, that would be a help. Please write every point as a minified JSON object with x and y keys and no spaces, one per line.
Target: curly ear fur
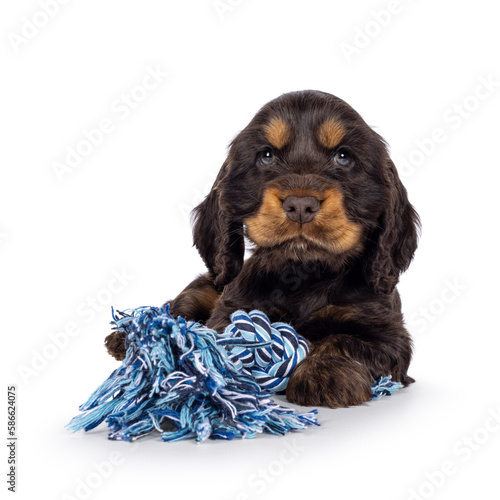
{"x":396,"y":237}
{"x":217,"y":236}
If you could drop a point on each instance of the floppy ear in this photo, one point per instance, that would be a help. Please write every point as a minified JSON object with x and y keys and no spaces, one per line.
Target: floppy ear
{"x":217,"y":235}
{"x":395,"y":239}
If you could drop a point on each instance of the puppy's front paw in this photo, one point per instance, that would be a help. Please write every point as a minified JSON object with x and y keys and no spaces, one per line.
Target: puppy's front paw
{"x":115,"y":344}
{"x":329,"y":381}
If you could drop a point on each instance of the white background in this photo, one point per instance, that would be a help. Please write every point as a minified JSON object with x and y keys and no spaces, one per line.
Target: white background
{"x":124,"y":209}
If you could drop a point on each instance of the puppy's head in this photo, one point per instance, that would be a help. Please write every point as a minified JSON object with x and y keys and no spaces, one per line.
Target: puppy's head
{"x":310,"y":179}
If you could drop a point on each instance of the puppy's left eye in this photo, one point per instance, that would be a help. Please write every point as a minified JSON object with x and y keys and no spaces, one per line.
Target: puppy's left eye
{"x":342,"y":158}
{"x":267,"y":157}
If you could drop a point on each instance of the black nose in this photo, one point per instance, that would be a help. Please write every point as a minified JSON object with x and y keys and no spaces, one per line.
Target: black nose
{"x":301,"y":209}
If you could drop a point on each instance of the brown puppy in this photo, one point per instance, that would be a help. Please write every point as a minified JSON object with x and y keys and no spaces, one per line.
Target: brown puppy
{"x":312,"y":188}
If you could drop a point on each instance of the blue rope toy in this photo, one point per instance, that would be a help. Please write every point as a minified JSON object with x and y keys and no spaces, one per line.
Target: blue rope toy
{"x":186,"y":381}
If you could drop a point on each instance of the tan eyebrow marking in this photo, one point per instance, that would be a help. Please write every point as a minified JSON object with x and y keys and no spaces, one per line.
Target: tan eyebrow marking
{"x":277,"y":132}
{"x":330,"y":133}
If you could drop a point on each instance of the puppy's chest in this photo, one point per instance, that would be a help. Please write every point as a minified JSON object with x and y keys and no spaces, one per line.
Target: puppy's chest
{"x":295,"y":293}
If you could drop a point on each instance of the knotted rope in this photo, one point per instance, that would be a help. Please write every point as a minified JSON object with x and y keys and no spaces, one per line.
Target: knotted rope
{"x":272,"y":363}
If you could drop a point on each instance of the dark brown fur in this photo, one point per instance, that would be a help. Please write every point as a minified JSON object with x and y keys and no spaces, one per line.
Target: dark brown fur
{"x":334,"y":278}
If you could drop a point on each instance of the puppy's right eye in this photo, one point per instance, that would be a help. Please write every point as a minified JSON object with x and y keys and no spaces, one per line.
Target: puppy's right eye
{"x":267,"y":157}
